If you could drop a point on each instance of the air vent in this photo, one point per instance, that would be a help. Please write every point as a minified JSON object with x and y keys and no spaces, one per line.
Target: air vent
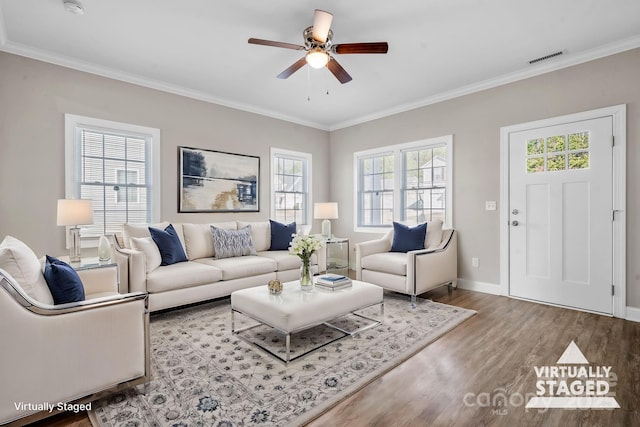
{"x":544,"y":58}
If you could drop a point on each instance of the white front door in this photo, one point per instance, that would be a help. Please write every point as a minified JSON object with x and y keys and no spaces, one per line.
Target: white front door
{"x":560,"y":214}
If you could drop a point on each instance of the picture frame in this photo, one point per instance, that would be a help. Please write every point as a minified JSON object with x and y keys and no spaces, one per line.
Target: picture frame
{"x":217,"y":181}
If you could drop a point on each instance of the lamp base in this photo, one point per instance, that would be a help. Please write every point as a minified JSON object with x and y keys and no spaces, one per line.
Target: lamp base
{"x":74,"y":240}
{"x":326,"y":229}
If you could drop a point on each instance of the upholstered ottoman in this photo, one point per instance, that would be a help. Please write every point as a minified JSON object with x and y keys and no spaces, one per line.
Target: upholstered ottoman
{"x":294,"y":310}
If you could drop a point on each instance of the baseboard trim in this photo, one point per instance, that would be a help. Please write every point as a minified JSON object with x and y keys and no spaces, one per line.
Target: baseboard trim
{"x":633,"y":314}
{"x":484,"y":287}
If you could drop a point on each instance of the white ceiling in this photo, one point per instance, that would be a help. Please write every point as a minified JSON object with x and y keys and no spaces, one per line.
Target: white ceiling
{"x":438,"y":49}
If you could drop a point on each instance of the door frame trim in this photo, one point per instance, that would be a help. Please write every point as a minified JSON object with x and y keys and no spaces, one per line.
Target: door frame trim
{"x":619,"y":115}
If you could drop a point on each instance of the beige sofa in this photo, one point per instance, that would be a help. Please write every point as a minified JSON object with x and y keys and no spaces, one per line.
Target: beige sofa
{"x":413,"y":272}
{"x":203,"y":277}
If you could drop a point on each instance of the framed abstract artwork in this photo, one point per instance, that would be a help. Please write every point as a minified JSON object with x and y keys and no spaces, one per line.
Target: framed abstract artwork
{"x":215,"y":181}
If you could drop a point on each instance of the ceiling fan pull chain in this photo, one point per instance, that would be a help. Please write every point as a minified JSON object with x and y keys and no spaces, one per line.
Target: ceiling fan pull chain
{"x":309,"y":84}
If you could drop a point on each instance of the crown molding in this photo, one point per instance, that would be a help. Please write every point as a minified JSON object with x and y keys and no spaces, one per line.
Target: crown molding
{"x":67,"y":62}
{"x":544,"y":67}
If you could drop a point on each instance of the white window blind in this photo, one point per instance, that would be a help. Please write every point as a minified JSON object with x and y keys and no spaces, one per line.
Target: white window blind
{"x":290,"y":187}
{"x":113,"y":165}
{"x":409,"y":182}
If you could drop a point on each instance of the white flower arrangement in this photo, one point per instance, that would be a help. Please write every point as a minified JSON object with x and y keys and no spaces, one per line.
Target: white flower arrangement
{"x":304,"y":246}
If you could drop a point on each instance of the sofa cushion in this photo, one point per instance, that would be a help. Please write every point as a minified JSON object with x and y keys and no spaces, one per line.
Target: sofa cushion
{"x":63,"y":281}
{"x":232,"y":243}
{"x":17,"y":259}
{"x":238,"y":267}
{"x":407,"y":238}
{"x":281,"y":235}
{"x":139,"y":230}
{"x":283,"y":259}
{"x":148,"y":247}
{"x":260,"y":234}
{"x":181,"y":275}
{"x":169,"y":245}
{"x":198,"y":241}
{"x":386,"y":262}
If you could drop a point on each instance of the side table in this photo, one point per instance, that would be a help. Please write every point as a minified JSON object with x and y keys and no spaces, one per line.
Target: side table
{"x":91,"y":263}
{"x":337,"y":251}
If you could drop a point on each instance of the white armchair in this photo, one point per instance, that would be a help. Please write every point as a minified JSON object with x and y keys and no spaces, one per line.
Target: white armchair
{"x":413,"y":272}
{"x":68,"y":353}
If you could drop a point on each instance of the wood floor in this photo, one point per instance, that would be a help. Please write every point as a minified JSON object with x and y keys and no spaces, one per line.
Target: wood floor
{"x":453,"y":381}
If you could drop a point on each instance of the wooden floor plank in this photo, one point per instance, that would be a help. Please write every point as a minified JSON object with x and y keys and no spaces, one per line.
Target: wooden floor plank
{"x":493,"y":352}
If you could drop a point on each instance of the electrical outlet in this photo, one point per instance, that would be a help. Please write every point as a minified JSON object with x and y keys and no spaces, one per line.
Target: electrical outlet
{"x":490,"y":206}
{"x":474,"y":262}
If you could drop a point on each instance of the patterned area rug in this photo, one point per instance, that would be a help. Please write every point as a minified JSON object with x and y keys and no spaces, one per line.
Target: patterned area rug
{"x":202,"y":375}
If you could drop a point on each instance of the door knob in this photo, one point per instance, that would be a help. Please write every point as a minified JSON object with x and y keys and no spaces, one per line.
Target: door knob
{"x":515,"y":211}
{"x":514,"y":223}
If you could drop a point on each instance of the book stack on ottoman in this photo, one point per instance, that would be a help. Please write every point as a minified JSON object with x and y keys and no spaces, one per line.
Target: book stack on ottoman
{"x":333,"y":282}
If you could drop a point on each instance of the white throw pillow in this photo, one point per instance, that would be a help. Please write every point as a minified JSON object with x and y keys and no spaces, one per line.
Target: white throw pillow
{"x":130,"y":231}
{"x":148,"y":247}
{"x":260,"y":234}
{"x":434,"y":234}
{"x":21,"y":263}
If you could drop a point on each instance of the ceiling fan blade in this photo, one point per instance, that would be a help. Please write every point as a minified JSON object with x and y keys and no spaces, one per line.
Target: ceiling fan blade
{"x":276,"y":44}
{"x":293,"y":68}
{"x":337,"y":70}
{"x":376,"y":47}
{"x":321,"y":25}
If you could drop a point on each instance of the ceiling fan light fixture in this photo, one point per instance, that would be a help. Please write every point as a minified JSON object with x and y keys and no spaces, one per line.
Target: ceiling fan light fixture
{"x":317,"y":58}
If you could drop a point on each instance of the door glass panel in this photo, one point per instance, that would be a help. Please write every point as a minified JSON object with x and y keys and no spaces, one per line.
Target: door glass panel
{"x":560,"y":152}
{"x":579,"y":141}
{"x":555,"y":144}
{"x":555,"y":163}
{"x":535,"y":146}
{"x":579,"y":160}
{"x":535,"y":164}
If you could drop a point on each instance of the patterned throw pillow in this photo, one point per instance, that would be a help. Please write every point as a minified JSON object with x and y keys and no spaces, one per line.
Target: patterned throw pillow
{"x":232,"y":243}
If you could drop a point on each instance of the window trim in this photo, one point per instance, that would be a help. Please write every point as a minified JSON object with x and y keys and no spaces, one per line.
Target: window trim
{"x":72,"y":153}
{"x":298,"y":155}
{"x":398,"y":151}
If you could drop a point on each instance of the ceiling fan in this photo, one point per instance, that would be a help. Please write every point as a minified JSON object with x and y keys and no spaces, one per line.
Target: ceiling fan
{"x":319,"y":47}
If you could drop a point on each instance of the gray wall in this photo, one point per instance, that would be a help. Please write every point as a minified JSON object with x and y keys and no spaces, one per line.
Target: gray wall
{"x":475,"y":121}
{"x":34,"y":96}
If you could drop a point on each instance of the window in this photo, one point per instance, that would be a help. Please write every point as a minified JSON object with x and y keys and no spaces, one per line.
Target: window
{"x":290,"y":186}
{"x":405,"y":182}
{"x":556,"y":155}
{"x":116,"y":165}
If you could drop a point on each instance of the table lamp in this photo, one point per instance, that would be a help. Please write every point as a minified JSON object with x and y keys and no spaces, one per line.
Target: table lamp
{"x":326,"y":212}
{"x":73,"y":213}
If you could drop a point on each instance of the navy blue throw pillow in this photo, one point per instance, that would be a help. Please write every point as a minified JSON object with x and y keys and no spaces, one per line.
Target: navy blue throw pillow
{"x":63,"y":281}
{"x":281,"y":235}
{"x":168,"y":244}
{"x":407,"y":239}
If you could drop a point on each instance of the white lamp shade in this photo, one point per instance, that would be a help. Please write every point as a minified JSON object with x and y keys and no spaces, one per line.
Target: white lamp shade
{"x":75,"y":212}
{"x":327,"y":210}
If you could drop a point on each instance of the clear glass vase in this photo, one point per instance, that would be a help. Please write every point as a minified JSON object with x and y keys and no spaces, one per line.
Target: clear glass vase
{"x":306,"y":279}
